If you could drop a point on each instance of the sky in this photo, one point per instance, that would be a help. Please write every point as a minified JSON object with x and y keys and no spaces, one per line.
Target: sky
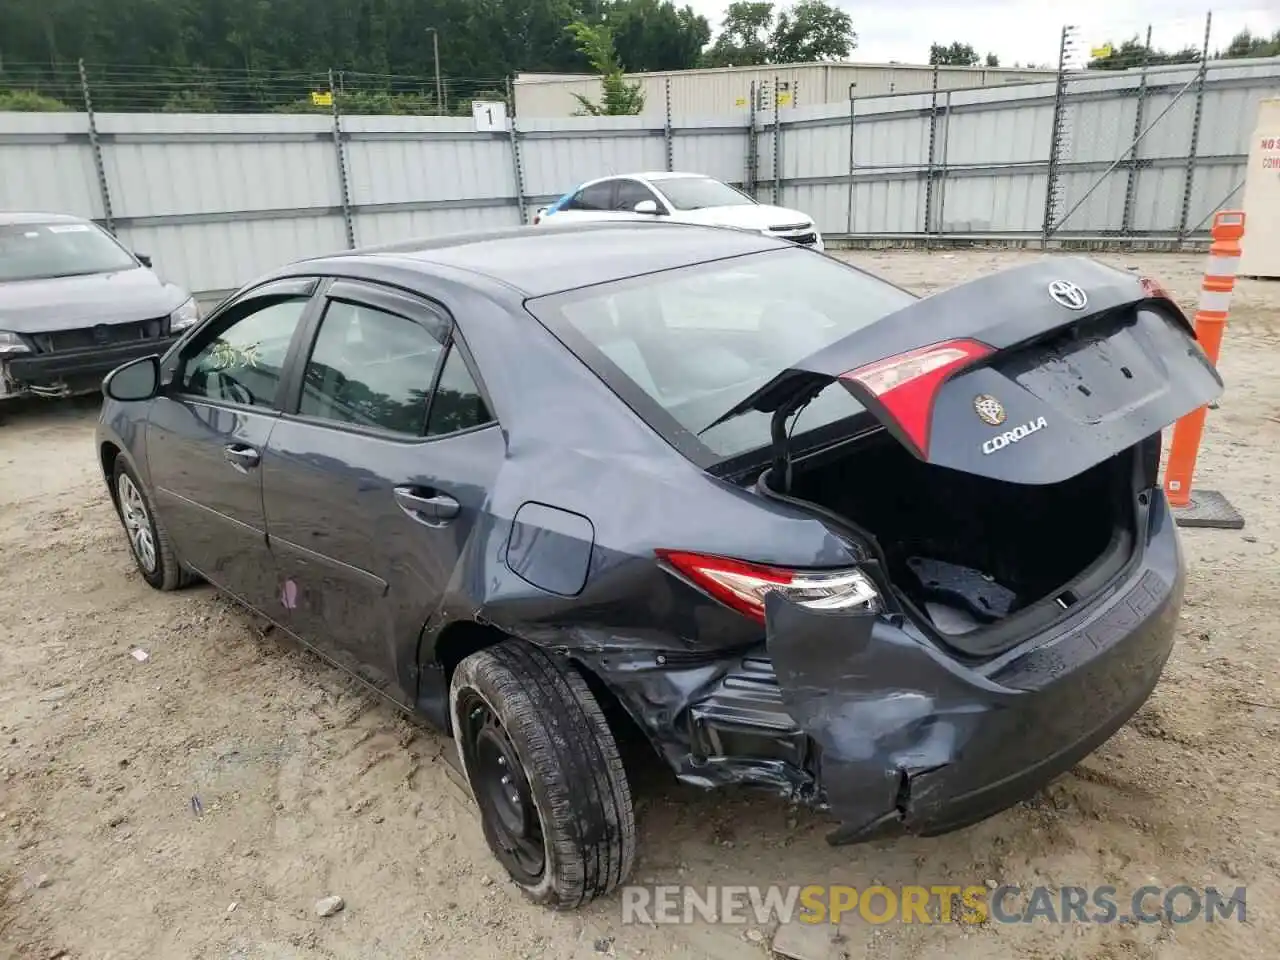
{"x":1028,"y":30}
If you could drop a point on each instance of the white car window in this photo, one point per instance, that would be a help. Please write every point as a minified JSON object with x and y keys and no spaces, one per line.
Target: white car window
{"x":631,"y":192}
{"x":595,"y":197}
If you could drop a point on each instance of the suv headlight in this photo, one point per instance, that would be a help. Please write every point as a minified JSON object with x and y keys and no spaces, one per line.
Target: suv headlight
{"x":11,"y":343}
{"x":185,"y":316}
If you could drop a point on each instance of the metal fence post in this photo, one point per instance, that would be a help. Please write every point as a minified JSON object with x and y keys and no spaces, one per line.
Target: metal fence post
{"x":777,"y":145}
{"x":752,"y":172}
{"x":666,"y":130}
{"x":1131,"y":182}
{"x":95,"y":146}
{"x":517,"y":168}
{"x":340,"y":153}
{"x":1189,"y":179}
{"x":940,"y":217}
{"x":928,"y":177}
{"x":1055,"y":141}
{"x":852,"y":118}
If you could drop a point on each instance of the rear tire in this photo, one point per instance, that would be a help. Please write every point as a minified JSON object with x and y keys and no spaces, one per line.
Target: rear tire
{"x":545,"y":771}
{"x":148,"y":540}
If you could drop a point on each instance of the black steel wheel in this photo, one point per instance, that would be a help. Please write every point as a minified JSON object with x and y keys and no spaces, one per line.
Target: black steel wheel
{"x":545,"y":771}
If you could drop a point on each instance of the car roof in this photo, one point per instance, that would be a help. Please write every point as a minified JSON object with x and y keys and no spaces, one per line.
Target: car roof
{"x":537,"y":261}
{"x":13,"y":217}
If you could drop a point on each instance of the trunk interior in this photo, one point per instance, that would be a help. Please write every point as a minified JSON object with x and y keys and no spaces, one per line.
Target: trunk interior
{"x":987,"y":562}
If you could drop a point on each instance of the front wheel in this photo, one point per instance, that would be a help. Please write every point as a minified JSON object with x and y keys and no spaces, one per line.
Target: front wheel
{"x":148,"y":540}
{"x":546,"y":773}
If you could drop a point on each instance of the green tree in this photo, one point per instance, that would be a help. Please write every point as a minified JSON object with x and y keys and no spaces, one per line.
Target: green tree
{"x":656,"y":35}
{"x":1133,"y":53}
{"x":992,"y":60}
{"x":620,"y":98}
{"x":744,"y":35}
{"x":1245,"y":44}
{"x":812,"y":30}
{"x":953,"y":55}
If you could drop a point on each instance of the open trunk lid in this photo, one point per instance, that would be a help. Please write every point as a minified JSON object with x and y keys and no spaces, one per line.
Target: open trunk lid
{"x":1031,"y":375}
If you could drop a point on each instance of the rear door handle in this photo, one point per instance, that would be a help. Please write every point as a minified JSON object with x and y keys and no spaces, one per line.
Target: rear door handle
{"x":427,"y":506}
{"x":241,"y":456}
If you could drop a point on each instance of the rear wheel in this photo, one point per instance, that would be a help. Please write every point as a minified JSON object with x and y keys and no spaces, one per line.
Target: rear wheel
{"x":545,"y":771}
{"x":148,"y":540}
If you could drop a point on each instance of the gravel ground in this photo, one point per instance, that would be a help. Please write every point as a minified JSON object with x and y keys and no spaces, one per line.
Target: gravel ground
{"x":309,"y":787}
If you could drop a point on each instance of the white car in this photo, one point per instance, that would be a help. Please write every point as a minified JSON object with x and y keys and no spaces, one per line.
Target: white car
{"x":683,"y":198}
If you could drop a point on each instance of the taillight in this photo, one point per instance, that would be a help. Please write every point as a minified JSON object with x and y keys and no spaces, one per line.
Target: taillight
{"x":908,"y":384}
{"x":743,"y":585}
{"x":1154,"y":289}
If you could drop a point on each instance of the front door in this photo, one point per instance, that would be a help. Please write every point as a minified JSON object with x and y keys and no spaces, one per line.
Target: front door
{"x":207,"y":432}
{"x":372,"y":480}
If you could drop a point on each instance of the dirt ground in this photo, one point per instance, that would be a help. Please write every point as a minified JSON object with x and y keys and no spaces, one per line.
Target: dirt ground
{"x":308,"y":786}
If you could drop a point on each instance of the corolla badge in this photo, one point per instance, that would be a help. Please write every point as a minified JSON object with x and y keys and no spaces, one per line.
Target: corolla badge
{"x":1067,"y":294}
{"x":989,"y":409}
{"x":1002,"y":440}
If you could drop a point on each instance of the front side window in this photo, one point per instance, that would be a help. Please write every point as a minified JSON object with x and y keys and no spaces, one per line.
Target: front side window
{"x":698,"y":193}
{"x":242,"y":364}
{"x":698,"y":340}
{"x":631,"y":192}
{"x":371,"y":369}
{"x":46,"y":251}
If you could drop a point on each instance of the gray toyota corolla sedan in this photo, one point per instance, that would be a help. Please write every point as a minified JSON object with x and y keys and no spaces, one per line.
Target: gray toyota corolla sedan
{"x":901,"y":559}
{"x":75,"y":304}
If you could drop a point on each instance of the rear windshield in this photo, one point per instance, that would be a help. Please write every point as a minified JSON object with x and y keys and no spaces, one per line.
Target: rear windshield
{"x":42,"y":251}
{"x":691,"y":343}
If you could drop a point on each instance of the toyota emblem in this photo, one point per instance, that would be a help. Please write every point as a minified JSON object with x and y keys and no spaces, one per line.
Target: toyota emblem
{"x":989,"y":409}
{"x":1068,"y":294}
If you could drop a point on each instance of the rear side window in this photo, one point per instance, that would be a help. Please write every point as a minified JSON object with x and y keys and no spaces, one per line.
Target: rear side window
{"x":371,"y":369}
{"x":693,"y":342}
{"x":457,"y":404}
{"x":597,"y":196}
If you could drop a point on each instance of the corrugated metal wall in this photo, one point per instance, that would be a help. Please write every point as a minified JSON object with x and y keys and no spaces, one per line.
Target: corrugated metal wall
{"x":217,"y":199}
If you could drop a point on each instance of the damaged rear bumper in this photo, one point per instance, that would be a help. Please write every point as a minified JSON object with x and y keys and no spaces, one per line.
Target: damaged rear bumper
{"x":909,"y":739}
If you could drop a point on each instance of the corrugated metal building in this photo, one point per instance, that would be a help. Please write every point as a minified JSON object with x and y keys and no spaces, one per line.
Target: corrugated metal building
{"x":715,"y":92}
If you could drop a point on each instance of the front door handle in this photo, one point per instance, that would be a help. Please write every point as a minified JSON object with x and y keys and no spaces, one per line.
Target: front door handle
{"x":427,"y":505}
{"x":241,"y":456}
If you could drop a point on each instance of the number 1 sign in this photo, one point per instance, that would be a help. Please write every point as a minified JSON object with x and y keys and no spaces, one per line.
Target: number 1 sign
{"x":490,"y":115}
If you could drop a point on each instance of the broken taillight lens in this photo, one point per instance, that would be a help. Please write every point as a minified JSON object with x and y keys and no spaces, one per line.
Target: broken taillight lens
{"x":908,"y":384}
{"x":1153,"y":288}
{"x":743,"y":585}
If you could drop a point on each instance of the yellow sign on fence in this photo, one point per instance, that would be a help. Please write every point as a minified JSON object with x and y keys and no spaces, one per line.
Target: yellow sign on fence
{"x":321,"y":98}
{"x":1102,"y":52}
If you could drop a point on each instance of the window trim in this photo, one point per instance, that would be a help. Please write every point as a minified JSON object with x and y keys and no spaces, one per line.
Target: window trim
{"x":417,"y":309}
{"x":182,"y":352}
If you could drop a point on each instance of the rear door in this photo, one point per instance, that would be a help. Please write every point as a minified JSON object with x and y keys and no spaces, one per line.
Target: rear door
{"x":374,"y":477}
{"x":1031,"y":375}
{"x":208,"y":429}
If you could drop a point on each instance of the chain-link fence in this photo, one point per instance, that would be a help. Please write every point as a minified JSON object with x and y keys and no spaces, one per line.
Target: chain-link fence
{"x":123,"y":88}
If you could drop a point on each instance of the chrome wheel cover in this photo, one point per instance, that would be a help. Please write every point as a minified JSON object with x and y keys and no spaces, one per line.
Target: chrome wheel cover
{"x":137,"y":523}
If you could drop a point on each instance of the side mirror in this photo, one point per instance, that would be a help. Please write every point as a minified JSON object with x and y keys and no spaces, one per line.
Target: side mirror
{"x":144,"y":259}
{"x":135,"y":380}
{"x":646,"y":206}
